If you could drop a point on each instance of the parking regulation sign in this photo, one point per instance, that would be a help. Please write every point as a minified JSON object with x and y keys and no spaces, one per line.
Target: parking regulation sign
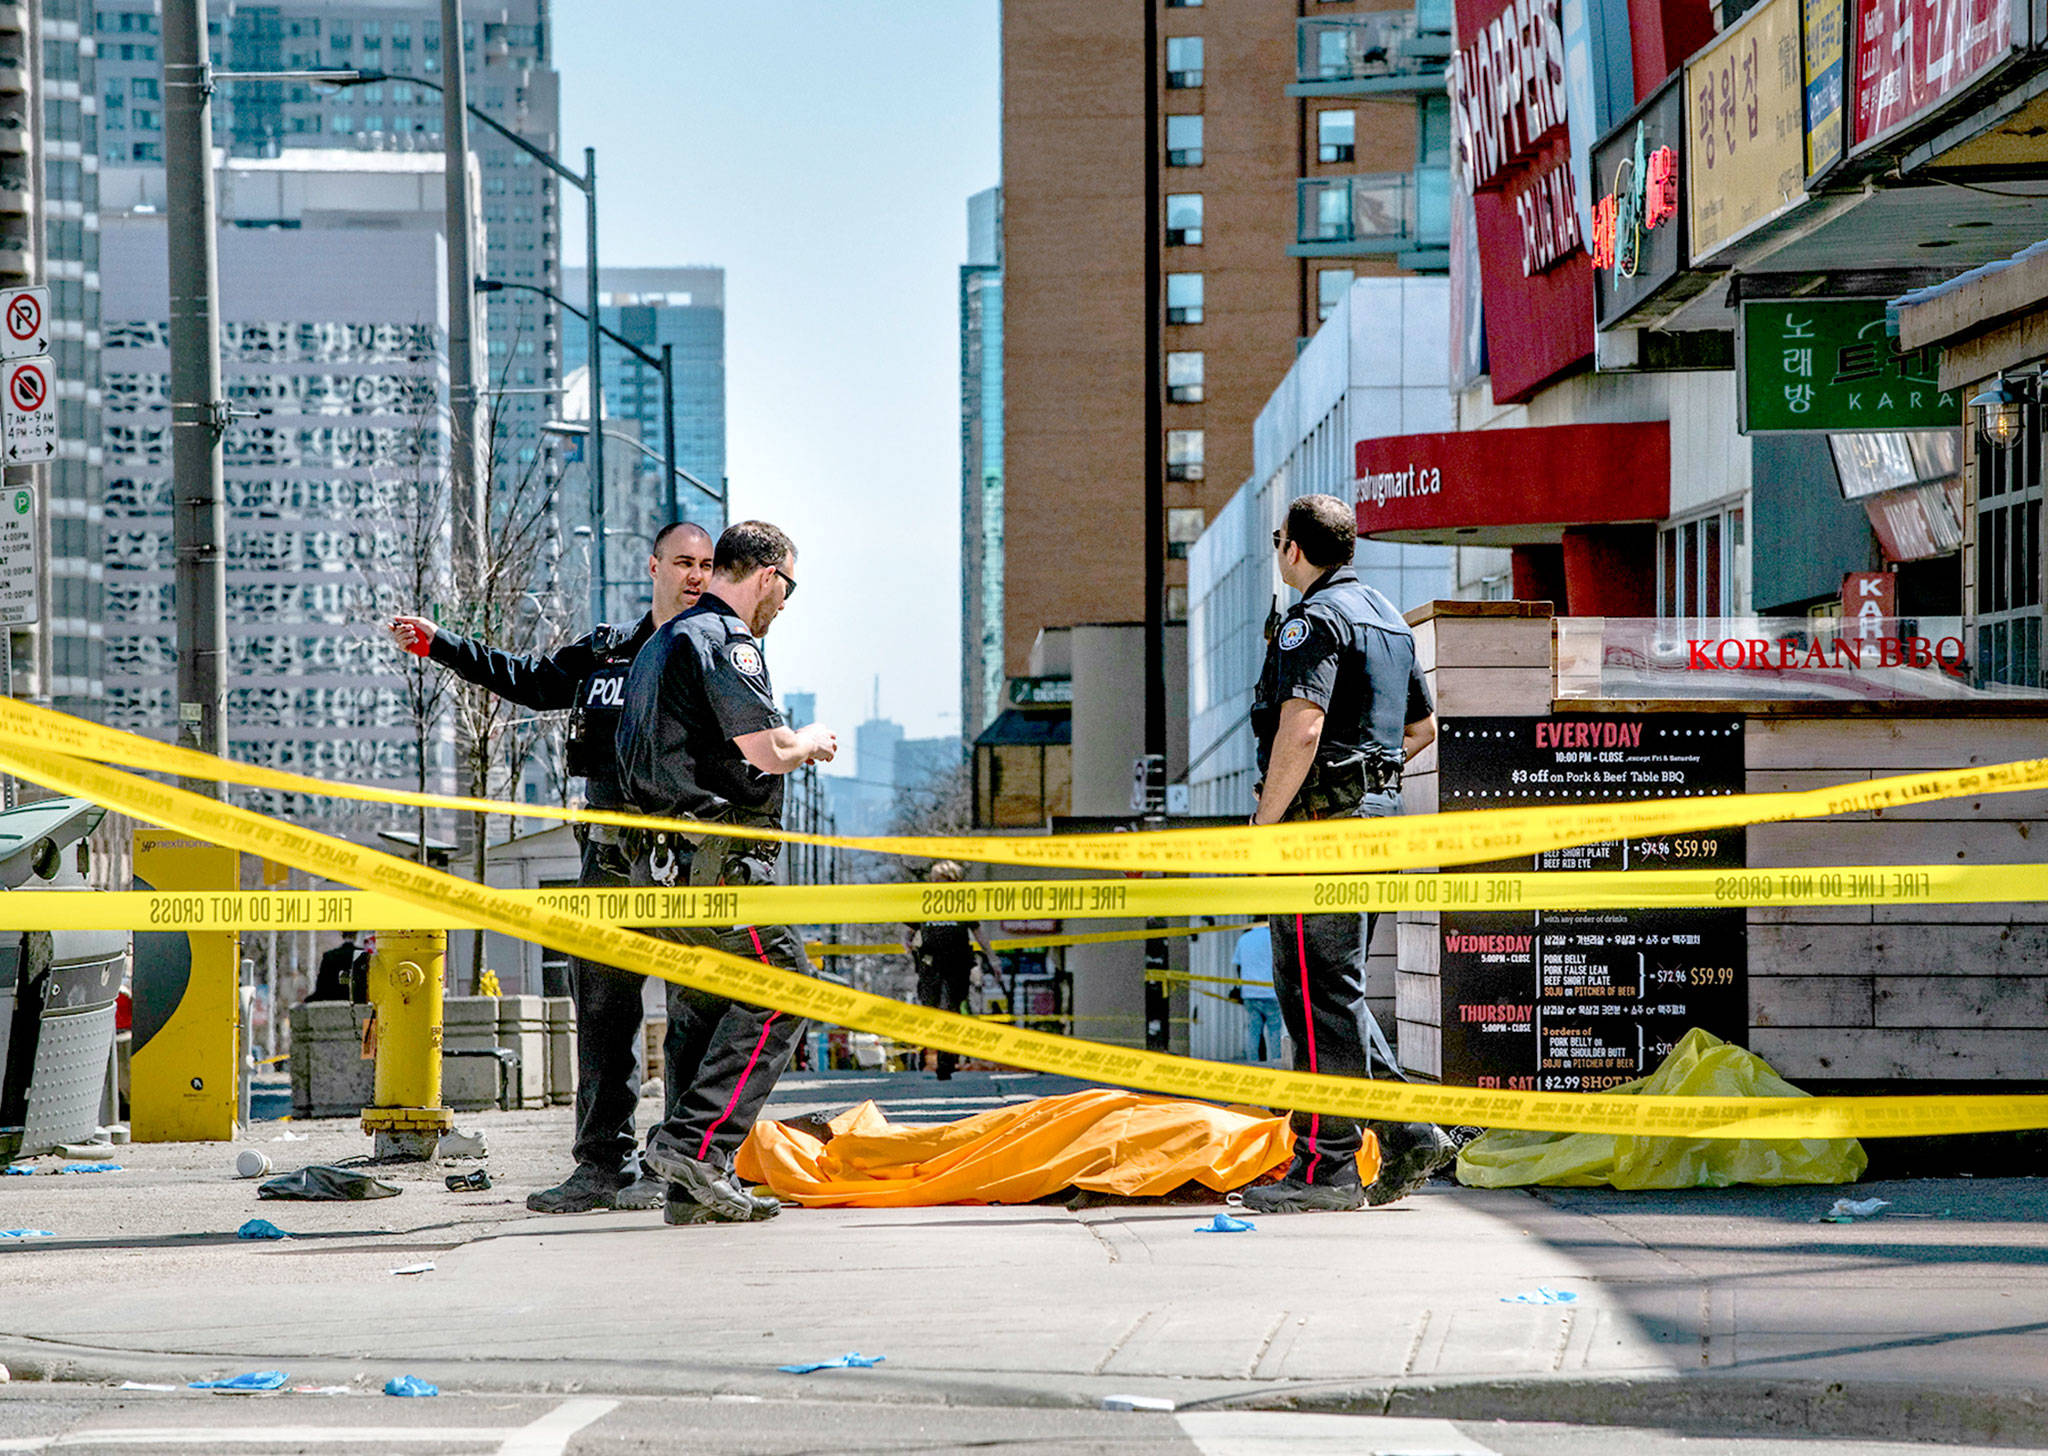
{"x":24,"y":322}
{"x":19,"y":564}
{"x":28,"y":409}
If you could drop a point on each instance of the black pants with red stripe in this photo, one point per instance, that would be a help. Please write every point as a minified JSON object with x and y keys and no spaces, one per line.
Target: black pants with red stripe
{"x":724,"y":1057}
{"x":1319,"y":979}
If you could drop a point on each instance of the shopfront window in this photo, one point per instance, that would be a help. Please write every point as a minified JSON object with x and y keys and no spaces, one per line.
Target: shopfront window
{"x":2008,"y":558}
{"x":1703,"y":567}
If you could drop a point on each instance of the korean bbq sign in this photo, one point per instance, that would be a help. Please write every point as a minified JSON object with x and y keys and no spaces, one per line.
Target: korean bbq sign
{"x":1911,"y":54}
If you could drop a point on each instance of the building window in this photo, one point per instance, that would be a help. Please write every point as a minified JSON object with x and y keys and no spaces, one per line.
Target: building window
{"x":1183,"y":219}
{"x":145,"y":88}
{"x":1183,"y":63}
{"x":1184,"y":376}
{"x":1703,"y":567}
{"x":1433,"y":132}
{"x":1183,"y":528}
{"x":1183,"y":454}
{"x":2008,"y":559}
{"x":1184,"y":141}
{"x":1331,"y":284}
{"x":1183,"y":298}
{"x":1336,"y":136}
{"x":1183,"y":4}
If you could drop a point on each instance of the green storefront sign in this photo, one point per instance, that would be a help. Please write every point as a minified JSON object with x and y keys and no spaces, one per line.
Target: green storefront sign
{"x":1829,"y":365}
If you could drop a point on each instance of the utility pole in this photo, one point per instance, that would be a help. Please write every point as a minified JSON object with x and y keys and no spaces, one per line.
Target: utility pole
{"x":199,"y":410}
{"x":466,"y":477}
{"x":1155,"y":420}
{"x":596,"y":328}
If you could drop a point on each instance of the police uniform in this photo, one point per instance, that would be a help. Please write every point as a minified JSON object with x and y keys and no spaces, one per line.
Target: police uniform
{"x":1344,"y":648}
{"x":943,"y":951}
{"x":700,"y":683}
{"x":588,"y":678}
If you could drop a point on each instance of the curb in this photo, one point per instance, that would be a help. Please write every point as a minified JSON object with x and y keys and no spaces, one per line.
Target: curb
{"x":1700,"y":1404}
{"x":1705,"y":1404}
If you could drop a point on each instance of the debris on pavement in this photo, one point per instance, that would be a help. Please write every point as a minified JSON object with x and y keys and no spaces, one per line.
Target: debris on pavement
{"x":477,"y":1180}
{"x":851,"y":1361}
{"x":26,"y":1234}
{"x":410,"y":1384}
{"x":1541,"y":1294}
{"x":322,"y":1390}
{"x":254,"y":1380}
{"x":251,"y":1164}
{"x":320,"y":1183}
{"x":86,"y":1152}
{"x":1223,"y":1223}
{"x":1848,"y":1210}
{"x":461,"y":1144}
{"x":90,"y":1168}
{"x":1137,"y":1403}
{"x":426,"y":1268}
{"x":288,"y":1136}
{"x":143,"y":1385}
{"x":260,"y":1228}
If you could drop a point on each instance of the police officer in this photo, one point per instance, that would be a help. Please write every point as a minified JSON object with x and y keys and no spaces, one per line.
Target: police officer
{"x":588,"y":677}
{"x":1341,"y":706}
{"x":701,"y":739}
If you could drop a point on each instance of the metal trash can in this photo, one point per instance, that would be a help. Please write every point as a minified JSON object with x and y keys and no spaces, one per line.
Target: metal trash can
{"x":58,"y":988}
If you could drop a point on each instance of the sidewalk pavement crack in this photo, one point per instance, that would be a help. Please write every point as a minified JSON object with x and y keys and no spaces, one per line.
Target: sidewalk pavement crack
{"x":1251,"y":1369}
{"x":1564,"y":1339}
{"x":1121,"y":1340}
{"x":1616,"y":1229}
{"x":1415,"y":1344}
{"x":1107,"y":1247}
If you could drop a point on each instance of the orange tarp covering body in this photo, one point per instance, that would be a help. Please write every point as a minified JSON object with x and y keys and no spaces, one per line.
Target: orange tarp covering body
{"x":1105,"y":1140}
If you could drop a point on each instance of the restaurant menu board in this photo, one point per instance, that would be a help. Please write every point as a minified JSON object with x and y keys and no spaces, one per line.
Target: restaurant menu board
{"x":1577,"y":1001}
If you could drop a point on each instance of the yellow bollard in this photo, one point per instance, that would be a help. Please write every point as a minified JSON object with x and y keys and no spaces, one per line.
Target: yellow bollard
{"x":407,"y":1118}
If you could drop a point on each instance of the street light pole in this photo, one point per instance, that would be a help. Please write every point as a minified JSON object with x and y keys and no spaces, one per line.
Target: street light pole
{"x":466,"y":479}
{"x":592,"y":323}
{"x":668,"y":432}
{"x":199,"y":410}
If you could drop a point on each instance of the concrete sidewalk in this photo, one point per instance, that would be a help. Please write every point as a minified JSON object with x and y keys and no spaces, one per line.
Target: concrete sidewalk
{"x":1729,"y":1308}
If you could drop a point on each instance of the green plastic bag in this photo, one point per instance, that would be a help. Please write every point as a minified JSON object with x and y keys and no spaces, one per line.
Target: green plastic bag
{"x":1702,"y":1065}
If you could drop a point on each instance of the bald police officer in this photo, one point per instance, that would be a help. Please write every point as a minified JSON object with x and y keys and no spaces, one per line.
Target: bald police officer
{"x":1341,"y":706}
{"x":588,"y":678}
{"x":702,"y":739}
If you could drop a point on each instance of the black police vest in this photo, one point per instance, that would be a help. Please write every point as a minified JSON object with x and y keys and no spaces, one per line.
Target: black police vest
{"x":1360,"y":750}
{"x":592,"y":752}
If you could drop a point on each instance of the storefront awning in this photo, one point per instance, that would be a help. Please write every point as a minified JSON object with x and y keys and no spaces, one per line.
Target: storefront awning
{"x":1512,"y":487}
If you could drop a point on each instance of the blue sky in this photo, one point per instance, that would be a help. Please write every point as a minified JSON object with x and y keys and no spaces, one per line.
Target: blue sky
{"x":823,"y":154}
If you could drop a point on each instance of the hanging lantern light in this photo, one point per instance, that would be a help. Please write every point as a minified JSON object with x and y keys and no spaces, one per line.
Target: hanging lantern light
{"x":2001,"y":414}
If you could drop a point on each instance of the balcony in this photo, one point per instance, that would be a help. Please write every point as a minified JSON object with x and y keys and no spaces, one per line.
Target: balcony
{"x":1408,"y":213}
{"x":1381,"y":53}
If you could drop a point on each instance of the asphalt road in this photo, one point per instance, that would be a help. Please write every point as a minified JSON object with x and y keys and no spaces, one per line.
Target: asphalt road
{"x":58,"y":1418}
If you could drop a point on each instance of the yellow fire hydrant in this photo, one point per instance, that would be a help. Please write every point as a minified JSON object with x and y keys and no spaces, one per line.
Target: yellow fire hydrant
{"x":406,"y":972}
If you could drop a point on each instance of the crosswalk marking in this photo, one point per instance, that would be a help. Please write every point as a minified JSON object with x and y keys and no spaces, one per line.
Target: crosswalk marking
{"x":1286,"y":1433}
{"x":548,"y":1436}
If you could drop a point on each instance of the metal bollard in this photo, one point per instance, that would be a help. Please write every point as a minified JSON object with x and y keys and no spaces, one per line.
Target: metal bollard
{"x":406,"y":973}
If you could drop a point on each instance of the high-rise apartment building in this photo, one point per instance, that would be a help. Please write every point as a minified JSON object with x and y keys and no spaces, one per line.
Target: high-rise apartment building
{"x":1298,"y":148}
{"x":336,"y":490}
{"x":511,"y":77}
{"x":685,"y":309}
{"x":69,"y":660}
{"x":981,"y":464}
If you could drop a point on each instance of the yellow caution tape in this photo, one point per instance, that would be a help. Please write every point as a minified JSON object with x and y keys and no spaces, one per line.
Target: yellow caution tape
{"x":761,"y":985}
{"x":1957,"y":884}
{"x":1333,"y":845}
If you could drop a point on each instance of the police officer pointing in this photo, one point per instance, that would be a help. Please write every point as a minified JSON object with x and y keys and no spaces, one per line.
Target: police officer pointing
{"x":1341,"y":706}
{"x":588,"y":678}
{"x":701,"y":739}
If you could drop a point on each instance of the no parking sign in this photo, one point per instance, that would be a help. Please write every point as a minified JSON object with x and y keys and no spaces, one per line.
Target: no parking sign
{"x":28,"y":409}
{"x":24,"y":322}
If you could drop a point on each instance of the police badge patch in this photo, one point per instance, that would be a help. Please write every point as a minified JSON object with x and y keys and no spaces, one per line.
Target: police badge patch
{"x":1293,"y":633}
{"x":746,"y":659}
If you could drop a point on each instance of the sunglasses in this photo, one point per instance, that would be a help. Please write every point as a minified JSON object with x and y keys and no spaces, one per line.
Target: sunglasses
{"x":788,"y":583}
{"x":1279,"y":538}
